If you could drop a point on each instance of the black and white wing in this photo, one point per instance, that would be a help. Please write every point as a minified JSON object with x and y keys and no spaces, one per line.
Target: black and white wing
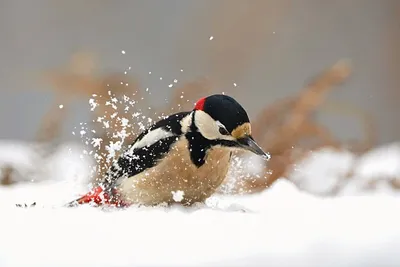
{"x":148,"y":148}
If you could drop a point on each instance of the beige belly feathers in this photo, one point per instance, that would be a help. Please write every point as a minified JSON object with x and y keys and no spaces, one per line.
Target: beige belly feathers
{"x":176,"y":173}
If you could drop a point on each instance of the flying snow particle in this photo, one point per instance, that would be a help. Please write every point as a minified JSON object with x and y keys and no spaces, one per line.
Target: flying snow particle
{"x":93,"y":104}
{"x":61,"y":106}
{"x":160,"y":78}
{"x":124,"y":122}
{"x":170,"y":85}
{"x":181,"y":70}
{"x":175,"y":81}
{"x":234,"y":84}
{"x":112,"y":148}
{"x":149,"y":72}
{"x":178,"y":195}
{"x":211,"y":37}
{"x":123,"y":52}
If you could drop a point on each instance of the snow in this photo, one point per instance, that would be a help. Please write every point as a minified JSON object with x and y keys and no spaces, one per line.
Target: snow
{"x":178,"y":195}
{"x":25,"y":158}
{"x":282,"y":226}
{"x":382,"y":161}
{"x":330,"y":171}
{"x":322,"y":170}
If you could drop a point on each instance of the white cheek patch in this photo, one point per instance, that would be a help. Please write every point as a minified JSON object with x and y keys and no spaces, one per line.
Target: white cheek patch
{"x":209,"y":128}
{"x":206,"y":125}
{"x":152,"y":137}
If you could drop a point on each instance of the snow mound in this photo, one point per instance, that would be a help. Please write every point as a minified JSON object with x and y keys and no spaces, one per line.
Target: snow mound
{"x":321,"y":171}
{"x":330,"y":172}
{"x":279,"y":227}
{"x":282,"y":226}
{"x":66,"y":163}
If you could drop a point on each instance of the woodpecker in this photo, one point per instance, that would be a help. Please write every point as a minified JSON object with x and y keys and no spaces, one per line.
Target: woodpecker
{"x":187,"y":152}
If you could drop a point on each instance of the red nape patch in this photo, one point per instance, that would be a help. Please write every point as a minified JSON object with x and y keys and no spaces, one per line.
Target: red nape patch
{"x":200,"y":104}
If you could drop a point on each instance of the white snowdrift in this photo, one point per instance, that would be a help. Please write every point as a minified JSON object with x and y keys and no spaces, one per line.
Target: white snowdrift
{"x":66,"y":163}
{"x":282,"y":226}
{"x":329,"y":171}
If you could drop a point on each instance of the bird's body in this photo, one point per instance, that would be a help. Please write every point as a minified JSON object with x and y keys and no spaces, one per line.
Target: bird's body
{"x":188,"y":152}
{"x":174,"y":173}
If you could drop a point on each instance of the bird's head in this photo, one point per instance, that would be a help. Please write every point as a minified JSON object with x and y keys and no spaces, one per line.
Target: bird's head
{"x":223,"y":121}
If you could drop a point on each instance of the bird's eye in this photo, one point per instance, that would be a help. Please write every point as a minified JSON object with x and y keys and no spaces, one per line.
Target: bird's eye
{"x":223,"y":131}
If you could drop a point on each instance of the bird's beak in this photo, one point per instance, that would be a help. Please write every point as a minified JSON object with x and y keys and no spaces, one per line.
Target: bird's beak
{"x":249,"y":144}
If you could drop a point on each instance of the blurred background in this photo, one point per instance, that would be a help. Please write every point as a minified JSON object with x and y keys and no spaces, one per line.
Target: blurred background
{"x":311,"y":69}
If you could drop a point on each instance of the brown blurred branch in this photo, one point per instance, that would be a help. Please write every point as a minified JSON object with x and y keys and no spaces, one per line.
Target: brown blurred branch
{"x":282,"y":126}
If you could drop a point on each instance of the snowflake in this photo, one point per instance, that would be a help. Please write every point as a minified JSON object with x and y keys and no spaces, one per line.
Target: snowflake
{"x":177,"y":195}
{"x":96,"y":142}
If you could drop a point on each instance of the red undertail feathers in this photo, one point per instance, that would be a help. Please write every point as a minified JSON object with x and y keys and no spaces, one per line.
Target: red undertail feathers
{"x":98,"y":197}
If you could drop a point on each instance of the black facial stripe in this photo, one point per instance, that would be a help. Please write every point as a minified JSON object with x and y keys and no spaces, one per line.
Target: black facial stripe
{"x":226,"y":143}
{"x":198,"y":144}
{"x":193,"y":127}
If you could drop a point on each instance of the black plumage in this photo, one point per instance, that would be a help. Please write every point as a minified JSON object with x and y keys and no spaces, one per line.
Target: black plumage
{"x":187,"y":151}
{"x":134,"y":161}
{"x":226,"y":110}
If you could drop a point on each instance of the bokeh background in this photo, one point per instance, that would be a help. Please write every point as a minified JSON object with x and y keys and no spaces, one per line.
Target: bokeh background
{"x":320,"y":80}
{"x":337,"y":60}
{"x":269,"y":48}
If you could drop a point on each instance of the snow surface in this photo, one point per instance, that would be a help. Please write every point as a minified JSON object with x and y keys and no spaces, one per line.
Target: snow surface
{"x":282,"y":226}
{"x":330,"y":171}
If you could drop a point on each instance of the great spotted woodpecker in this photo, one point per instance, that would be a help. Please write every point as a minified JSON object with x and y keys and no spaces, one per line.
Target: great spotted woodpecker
{"x":187,"y":151}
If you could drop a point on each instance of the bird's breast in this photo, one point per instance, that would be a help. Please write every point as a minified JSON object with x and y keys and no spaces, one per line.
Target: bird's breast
{"x":176,"y":179}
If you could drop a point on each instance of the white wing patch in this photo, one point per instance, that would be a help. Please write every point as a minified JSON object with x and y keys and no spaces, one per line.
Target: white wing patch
{"x":152,"y":137}
{"x":185,"y":123}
